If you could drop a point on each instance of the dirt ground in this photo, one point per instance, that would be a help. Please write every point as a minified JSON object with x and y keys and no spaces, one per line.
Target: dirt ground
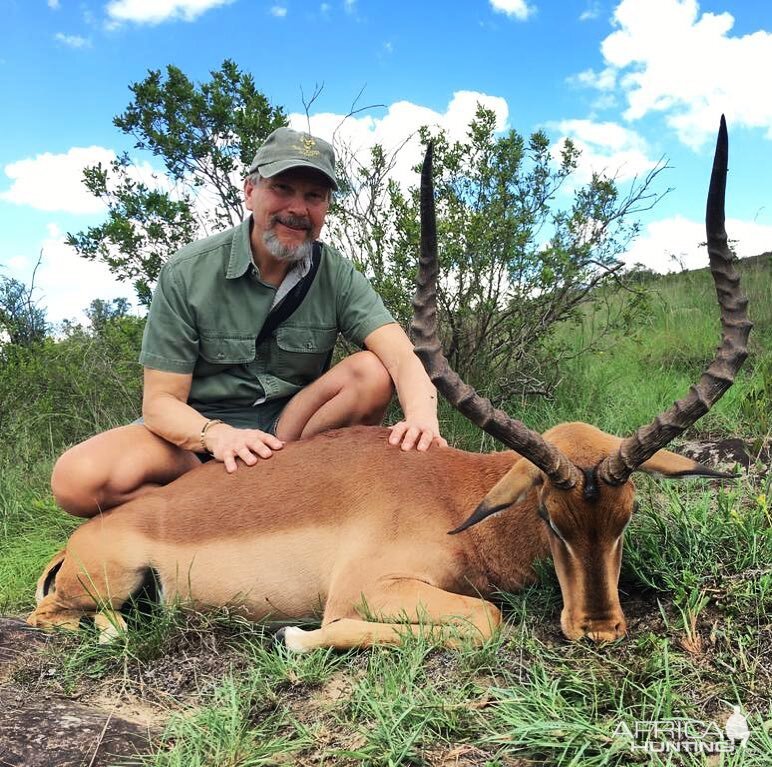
{"x":112,"y":720}
{"x":44,"y":729}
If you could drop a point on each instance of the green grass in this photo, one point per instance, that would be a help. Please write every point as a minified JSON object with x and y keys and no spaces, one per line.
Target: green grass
{"x":696,"y":587}
{"x":32,"y":529}
{"x":640,"y":373}
{"x":521,"y":697}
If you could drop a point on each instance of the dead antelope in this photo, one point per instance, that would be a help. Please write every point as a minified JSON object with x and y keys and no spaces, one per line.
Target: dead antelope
{"x":347,"y":527}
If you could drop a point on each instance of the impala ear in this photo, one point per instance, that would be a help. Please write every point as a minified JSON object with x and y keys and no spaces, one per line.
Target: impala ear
{"x":675,"y":466}
{"x":46,"y":579}
{"x":511,"y":488}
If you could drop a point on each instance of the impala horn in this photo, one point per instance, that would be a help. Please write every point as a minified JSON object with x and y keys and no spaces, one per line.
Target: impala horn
{"x":561,"y":472}
{"x":730,"y":355}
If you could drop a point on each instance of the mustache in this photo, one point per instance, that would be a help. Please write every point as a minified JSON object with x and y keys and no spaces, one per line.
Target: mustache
{"x":296,"y":222}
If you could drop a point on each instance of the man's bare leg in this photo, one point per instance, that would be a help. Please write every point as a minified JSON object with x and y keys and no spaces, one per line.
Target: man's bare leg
{"x":114,"y":467}
{"x":124,"y":463}
{"x":357,"y":390}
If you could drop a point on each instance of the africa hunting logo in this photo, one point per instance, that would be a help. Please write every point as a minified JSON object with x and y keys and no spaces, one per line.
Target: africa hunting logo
{"x":685,"y":735}
{"x":308,"y":147}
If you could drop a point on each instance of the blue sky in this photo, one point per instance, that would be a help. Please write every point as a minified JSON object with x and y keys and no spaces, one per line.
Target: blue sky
{"x":629,"y":80}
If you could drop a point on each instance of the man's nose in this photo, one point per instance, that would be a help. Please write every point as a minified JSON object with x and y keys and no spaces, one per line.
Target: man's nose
{"x":297,"y":205}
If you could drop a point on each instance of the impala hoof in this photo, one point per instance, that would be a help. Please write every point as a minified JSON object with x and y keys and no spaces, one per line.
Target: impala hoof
{"x":291,"y":638}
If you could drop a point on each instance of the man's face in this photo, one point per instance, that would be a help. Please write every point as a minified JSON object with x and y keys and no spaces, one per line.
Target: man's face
{"x":288,"y":211}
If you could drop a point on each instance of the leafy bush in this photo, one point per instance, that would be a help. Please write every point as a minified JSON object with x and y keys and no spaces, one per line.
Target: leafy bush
{"x":59,"y":391}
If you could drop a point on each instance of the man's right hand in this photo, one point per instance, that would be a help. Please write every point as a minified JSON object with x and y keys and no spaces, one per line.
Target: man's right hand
{"x":228,"y":443}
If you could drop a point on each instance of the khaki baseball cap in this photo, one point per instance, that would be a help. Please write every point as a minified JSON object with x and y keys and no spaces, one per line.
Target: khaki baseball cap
{"x":286,"y":148}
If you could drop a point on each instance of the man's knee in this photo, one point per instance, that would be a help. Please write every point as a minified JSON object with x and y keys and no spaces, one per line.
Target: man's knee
{"x":369,"y":375}
{"x":75,"y":483}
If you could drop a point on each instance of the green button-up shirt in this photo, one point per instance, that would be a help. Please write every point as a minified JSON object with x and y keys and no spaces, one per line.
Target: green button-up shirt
{"x":210,"y":304}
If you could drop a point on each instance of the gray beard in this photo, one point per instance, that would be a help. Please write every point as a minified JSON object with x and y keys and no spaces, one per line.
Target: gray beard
{"x":290,"y":253}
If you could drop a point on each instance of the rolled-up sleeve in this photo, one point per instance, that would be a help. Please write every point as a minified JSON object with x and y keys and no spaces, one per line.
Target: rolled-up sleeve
{"x":360,"y":309}
{"x":171,"y":340}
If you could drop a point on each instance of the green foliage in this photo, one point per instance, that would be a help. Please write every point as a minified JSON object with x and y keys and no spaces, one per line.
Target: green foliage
{"x":32,"y":528}
{"x":513,"y":264}
{"x":101,"y":314}
{"x":60,"y":391}
{"x":145,"y":225}
{"x":205,"y":135}
{"x":638,"y":372}
{"x":690,"y":542}
{"x":22,"y":322}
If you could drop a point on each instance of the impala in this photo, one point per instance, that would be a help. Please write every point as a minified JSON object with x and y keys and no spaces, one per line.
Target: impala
{"x":350,"y":529}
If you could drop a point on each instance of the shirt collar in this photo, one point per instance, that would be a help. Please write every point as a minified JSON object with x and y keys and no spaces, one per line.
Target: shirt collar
{"x":241,"y":251}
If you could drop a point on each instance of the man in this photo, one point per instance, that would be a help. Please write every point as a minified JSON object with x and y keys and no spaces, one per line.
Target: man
{"x":214,"y":386}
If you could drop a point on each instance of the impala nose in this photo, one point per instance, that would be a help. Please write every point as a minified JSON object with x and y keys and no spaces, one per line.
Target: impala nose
{"x":600,"y":627}
{"x":605,"y":630}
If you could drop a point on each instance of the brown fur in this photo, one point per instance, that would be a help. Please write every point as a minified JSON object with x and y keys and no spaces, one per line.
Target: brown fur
{"x":345,"y":526}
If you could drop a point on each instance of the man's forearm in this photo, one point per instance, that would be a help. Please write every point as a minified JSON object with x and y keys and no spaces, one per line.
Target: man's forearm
{"x":174,"y":421}
{"x":415,"y":391}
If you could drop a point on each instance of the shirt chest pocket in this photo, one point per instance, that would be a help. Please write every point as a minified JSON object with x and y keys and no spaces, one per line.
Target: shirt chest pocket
{"x":300,"y":354}
{"x":218,"y":352}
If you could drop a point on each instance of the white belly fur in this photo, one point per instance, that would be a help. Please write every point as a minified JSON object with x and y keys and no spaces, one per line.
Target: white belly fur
{"x":266,"y":578}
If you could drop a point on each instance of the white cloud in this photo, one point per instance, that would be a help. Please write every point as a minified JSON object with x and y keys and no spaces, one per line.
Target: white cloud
{"x":606,"y":147}
{"x":279,"y":11}
{"x":65,"y":283}
{"x":592,"y":11}
{"x":53,"y":182}
{"x":605,"y":80}
{"x":324,"y":7}
{"x":673,"y":243}
{"x":518,"y":9}
{"x":667,"y":57}
{"x":72,"y":41}
{"x":53,"y":4}
{"x":349,"y":6}
{"x":399,"y":125}
{"x":157,"y":11}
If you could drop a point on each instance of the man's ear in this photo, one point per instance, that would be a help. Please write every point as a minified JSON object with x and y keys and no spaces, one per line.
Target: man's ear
{"x":248,"y":189}
{"x":511,"y":488}
{"x":672,"y":465}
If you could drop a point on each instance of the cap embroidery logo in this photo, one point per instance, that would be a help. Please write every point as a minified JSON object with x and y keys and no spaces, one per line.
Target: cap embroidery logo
{"x":308,"y":147}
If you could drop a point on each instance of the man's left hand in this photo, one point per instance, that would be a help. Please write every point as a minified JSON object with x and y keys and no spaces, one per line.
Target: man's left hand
{"x":420,"y":435}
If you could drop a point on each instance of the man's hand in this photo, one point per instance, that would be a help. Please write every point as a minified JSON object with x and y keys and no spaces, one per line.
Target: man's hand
{"x":421,"y":434}
{"x":228,"y":443}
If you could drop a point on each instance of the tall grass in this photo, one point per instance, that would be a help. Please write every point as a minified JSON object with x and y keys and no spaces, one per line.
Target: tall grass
{"x":639,"y":374}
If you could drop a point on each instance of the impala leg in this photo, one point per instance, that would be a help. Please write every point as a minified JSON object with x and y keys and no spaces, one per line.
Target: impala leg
{"x":403,"y":606}
{"x":110,"y":624}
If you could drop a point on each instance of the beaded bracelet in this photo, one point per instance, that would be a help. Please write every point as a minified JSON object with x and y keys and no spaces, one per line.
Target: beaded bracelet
{"x":204,"y":429}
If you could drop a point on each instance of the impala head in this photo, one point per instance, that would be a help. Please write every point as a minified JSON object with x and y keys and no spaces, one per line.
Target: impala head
{"x":578,"y":475}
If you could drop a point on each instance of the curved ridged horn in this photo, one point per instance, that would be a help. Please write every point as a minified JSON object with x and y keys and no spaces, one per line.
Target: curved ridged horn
{"x":561,"y":472}
{"x":719,"y":375}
